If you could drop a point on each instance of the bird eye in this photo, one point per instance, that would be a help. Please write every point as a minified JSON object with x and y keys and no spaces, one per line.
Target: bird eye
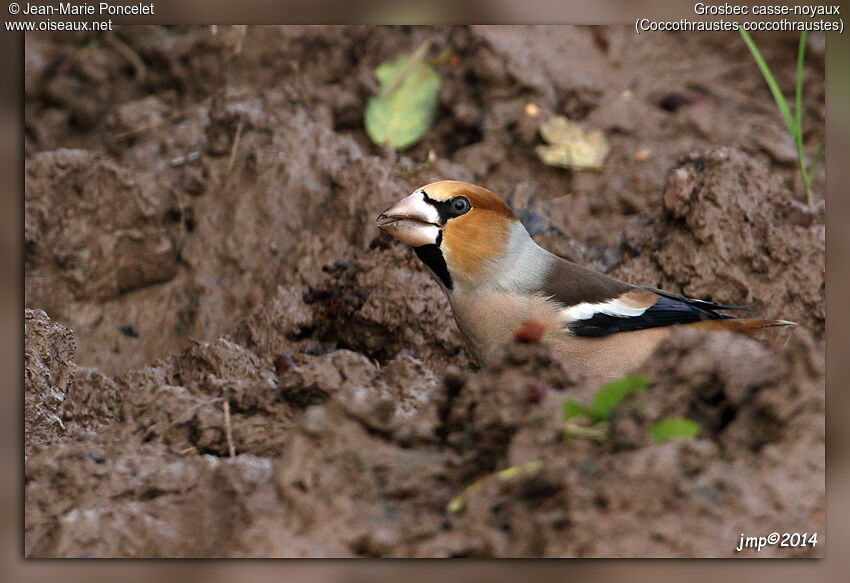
{"x":460,"y":205}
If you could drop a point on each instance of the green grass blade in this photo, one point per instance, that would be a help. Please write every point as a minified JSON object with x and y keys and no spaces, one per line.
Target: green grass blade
{"x":798,"y":112}
{"x":795,"y":123}
{"x":771,"y":82}
{"x":815,"y":159}
{"x":798,"y":104}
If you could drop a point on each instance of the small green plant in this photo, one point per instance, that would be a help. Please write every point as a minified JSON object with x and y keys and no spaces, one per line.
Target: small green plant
{"x":402,"y":111}
{"x":606,"y":399}
{"x":674,"y":428}
{"x":794,"y":123}
{"x":593,"y":422}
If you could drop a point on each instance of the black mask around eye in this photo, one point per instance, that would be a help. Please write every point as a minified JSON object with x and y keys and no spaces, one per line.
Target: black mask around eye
{"x":449,"y":209}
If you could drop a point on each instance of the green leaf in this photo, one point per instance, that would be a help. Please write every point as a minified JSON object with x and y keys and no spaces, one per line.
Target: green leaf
{"x":572,"y":408}
{"x":674,"y":428}
{"x":610,"y":395}
{"x":404,"y":108}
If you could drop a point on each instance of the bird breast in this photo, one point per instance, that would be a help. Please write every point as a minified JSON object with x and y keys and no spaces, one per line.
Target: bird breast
{"x":488,"y":320}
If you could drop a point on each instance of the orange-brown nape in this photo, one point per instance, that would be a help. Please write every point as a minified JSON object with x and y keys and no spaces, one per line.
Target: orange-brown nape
{"x":480,"y":234}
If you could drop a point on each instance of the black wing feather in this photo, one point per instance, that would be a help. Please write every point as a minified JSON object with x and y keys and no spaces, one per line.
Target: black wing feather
{"x":705,"y":304}
{"x":667,"y":311}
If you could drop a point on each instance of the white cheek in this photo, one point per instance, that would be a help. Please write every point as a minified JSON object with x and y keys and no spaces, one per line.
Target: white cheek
{"x":430,"y":212}
{"x":413,"y":233}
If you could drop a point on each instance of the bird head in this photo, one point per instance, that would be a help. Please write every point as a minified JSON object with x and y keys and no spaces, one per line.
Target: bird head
{"x":460,"y":231}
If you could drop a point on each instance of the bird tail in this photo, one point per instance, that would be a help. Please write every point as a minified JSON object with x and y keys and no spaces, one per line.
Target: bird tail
{"x":741,"y":326}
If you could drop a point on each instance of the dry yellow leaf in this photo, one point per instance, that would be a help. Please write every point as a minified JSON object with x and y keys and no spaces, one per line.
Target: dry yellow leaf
{"x":570,"y":146}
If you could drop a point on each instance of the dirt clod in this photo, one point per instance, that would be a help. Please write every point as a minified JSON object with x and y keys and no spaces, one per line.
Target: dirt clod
{"x":49,"y":368}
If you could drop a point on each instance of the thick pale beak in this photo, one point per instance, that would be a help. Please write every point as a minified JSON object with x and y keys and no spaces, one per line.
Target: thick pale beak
{"x":412,"y":221}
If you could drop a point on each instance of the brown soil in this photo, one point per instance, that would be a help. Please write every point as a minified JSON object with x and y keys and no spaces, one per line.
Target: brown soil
{"x":224,"y":358}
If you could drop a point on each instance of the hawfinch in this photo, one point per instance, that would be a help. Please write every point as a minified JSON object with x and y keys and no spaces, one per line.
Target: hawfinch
{"x":497,"y":278}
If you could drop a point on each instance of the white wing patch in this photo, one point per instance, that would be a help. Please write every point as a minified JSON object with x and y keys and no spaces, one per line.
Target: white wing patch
{"x":615,"y":307}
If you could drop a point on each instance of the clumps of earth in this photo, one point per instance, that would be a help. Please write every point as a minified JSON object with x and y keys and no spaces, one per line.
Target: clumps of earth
{"x":223,"y":356}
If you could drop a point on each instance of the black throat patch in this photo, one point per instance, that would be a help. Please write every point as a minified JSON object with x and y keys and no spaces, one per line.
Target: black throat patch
{"x":432,"y":257}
